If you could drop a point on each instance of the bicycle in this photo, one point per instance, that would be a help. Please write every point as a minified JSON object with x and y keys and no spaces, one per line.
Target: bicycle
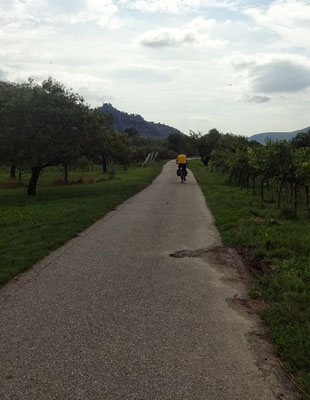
{"x":181,"y":172}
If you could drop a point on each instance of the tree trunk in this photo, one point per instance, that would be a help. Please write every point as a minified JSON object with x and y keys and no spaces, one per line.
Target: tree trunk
{"x":13,"y":172}
{"x":19,"y":175}
{"x":104,"y":164}
{"x":206,"y":160}
{"x":66,"y":173}
{"x":262,"y":190}
{"x":287,"y":192}
{"x":292,"y":193}
{"x":35,"y":173}
{"x":201,"y":155}
{"x":112,"y":171}
{"x":295,"y":197}
{"x":280,"y":193}
{"x":254,"y":188}
{"x":269,"y":190}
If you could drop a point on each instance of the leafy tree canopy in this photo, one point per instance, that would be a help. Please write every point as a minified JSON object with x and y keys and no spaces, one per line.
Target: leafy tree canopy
{"x":302,"y":139}
{"x":41,"y":125}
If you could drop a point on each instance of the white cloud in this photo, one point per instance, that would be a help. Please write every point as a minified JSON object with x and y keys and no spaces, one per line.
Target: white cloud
{"x":202,"y":24}
{"x":140,"y":74}
{"x":254,"y":99}
{"x":167,"y":38}
{"x":180,"y":70}
{"x":199,"y":118}
{"x":281,"y":76}
{"x":289,"y":19}
{"x":270,"y":73}
{"x":95,"y":90}
{"x":176,"y":6}
{"x":194,"y":33}
{"x":18,"y":10}
{"x":103,"y":13}
{"x":3,"y":75}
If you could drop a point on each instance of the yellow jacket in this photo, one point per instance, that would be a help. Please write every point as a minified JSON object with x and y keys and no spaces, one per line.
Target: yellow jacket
{"x":181,"y":159}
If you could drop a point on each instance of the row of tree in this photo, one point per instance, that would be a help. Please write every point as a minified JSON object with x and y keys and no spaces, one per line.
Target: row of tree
{"x":279,"y":170}
{"x":45,"y":125}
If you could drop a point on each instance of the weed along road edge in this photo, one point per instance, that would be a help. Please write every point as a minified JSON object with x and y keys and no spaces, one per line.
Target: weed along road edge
{"x":142,"y":305}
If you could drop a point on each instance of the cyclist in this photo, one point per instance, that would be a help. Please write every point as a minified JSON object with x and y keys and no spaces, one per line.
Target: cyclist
{"x":182,"y":161}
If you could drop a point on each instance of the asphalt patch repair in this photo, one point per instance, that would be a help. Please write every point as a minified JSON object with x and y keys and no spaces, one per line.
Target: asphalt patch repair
{"x":237,"y":274}
{"x":219,"y":255}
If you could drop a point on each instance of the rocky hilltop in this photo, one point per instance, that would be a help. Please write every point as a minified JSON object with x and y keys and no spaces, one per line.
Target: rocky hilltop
{"x":123,"y":120}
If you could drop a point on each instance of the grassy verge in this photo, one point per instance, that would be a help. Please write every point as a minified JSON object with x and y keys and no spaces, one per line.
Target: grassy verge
{"x":281,"y":248}
{"x":31,"y":227}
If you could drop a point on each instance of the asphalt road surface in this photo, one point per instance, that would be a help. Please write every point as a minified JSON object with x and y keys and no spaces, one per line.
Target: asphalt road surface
{"x":112,"y":315}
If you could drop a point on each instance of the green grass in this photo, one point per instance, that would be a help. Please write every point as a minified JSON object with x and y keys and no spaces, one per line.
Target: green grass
{"x":283,"y":245}
{"x":31,"y":227}
{"x":55,"y":176}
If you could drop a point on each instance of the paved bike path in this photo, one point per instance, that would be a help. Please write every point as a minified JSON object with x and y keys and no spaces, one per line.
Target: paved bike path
{"x":111,"y":315}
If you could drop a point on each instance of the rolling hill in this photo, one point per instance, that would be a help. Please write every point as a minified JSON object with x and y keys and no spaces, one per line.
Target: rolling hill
{"x":275,"y":136}
{"x":122,"y":120}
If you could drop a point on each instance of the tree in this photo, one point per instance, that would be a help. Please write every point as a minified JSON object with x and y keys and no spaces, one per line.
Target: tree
{"x":207,"y":143}
{"x":279,"y":164}
{"x":12,"y":141}
{"x":301,"y":158}
{"x":257,"y":163}
{"x":43,"y":126}
{"x":96,"y":136}
{"x":176,"y":142}
{"x":302,"y":139}
{"x":118,"y":148}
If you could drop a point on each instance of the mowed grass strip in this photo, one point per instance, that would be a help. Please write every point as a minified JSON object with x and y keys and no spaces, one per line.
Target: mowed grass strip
{"x":282,"y":246}
{"x":31,"y":227}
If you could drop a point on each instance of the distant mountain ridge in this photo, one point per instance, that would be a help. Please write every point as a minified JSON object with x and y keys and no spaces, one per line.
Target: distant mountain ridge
{"x":123,"y":120}
{"x":276,"y":136}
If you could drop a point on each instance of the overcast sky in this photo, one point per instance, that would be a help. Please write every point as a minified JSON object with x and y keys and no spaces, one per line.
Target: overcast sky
{"x":241,"y":66}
